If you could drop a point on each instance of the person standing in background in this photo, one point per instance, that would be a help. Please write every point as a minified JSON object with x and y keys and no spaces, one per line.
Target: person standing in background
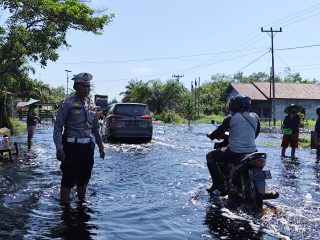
{"x":290,"y":126}
{"x":32,"y":120}
{"x":75,"y":130}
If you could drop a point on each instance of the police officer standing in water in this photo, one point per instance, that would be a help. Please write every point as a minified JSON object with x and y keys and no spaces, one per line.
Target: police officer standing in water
{"x":76,"y":130}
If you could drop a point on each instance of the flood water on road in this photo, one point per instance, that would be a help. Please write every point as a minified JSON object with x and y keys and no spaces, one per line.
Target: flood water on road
{"x":155,"y":191}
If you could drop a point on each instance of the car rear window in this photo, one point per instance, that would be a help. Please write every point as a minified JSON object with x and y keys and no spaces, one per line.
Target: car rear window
{"x":131,"y":110}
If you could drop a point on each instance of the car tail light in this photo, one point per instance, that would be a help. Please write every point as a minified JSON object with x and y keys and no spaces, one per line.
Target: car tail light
{"x":114,"y":118}
{"x":148,"y":118}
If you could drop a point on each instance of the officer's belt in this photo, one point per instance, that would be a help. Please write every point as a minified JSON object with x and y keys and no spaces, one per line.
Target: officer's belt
{"x":78,"y":140}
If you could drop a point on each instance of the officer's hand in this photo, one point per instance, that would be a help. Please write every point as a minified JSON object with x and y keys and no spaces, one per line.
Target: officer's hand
{"x":102,"y":153}
{"x":60,"y":155}
{"x":208,"y":134}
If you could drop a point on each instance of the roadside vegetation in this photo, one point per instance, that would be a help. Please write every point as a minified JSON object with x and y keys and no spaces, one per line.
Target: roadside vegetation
{"x":19,"y":127}
{"x":171,"y":101}
{"x":33,"y":32}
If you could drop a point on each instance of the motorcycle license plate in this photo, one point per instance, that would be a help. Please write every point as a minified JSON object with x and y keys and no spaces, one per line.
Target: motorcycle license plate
{"x":260,"y":175}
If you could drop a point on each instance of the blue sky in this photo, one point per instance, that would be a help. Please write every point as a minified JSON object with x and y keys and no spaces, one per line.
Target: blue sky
{"x":154,"y":39}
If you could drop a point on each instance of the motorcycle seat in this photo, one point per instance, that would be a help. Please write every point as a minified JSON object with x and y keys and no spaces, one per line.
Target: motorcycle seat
{"x":254,"y":155}
{"x":239,"y":161}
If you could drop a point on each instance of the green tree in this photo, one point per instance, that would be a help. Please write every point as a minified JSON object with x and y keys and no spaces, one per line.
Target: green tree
{"x":136,"y":91}
{"x":57,"y":94}
{"x":159,"y":96}
{"x":166,"y":96}
{"x":289,"y":76}
{"x":211,"y":97}
{"x":255,"y":77}
{"x":187,"y":108}
{"x":34,"y":30}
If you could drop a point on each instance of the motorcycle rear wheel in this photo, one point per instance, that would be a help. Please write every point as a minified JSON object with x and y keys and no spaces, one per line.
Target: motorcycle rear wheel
{"x":254,"y":196}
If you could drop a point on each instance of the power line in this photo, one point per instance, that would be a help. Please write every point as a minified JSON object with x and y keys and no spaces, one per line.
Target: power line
{"x":284,"y":20}
{"x":217,"y":62}
{"x":184,"y":69}
{"x":251,"y":62}
{"x":158,"y":58}
{"x":212,"y":63}
{"x":281,"y":60}
{"x":281,"y":21}
{"x":302,"y":19}
{"x":289,"y":20}
{"x":184,"y":56}
{"x":307,"y":46}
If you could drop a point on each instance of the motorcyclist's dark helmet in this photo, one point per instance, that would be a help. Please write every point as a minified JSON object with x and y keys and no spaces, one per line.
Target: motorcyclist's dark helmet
{"x":232,"y":106}
{"x":318,"y":111}
{"x":241,"y":103}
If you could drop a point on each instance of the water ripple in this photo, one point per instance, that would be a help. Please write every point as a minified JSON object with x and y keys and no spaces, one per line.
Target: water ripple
{"x":155,"y":191}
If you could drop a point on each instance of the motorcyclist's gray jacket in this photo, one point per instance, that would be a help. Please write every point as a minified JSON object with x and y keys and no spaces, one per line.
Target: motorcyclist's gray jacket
{"x":244,"y":127}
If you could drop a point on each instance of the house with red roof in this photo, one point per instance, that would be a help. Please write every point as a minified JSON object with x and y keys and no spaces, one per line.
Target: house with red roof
{"x":306,"y":95}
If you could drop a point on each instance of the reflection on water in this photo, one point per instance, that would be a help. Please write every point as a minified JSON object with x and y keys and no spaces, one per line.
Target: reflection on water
{"x":75,"y":223}
{"x":290,"y":172}
{"x":224,"y":224}
{"x":154,"y":191}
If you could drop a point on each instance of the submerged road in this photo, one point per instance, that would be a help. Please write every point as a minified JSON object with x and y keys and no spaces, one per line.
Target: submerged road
{"x":155,"y":191}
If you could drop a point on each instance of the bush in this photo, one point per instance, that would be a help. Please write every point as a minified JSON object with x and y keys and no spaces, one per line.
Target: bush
{"x":168,"y":117}
{"x":19,"y":127}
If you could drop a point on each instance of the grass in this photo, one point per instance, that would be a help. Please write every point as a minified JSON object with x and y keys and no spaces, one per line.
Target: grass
{"x":208,"y":118}
{"x":309,"y":124}
{"x":168,"y":117}
{"x":304,"y":141}
{"x":19,"y":127}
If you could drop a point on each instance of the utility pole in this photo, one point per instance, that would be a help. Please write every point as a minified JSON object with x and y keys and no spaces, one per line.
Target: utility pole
{"x":271,"y":34}
{"x":178,"y":76}
{"x":67,"y":80}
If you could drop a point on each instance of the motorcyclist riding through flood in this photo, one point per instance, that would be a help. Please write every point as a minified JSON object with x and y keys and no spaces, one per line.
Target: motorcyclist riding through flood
{"x":240,"y":150}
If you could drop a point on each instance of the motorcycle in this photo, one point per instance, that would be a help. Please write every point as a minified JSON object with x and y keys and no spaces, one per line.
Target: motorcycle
{"x":244,"y":178}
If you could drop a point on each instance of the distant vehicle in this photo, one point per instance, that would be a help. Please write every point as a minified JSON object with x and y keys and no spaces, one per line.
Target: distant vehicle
{"x":128,"y":122}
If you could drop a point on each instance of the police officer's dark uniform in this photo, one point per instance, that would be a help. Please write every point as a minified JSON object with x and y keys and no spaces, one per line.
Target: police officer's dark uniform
{"x":75,"y":130}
